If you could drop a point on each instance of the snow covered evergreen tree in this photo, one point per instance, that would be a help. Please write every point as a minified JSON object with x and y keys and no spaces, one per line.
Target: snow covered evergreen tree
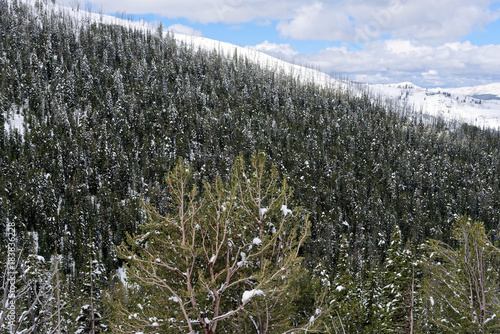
{"x":90,"y":298}
{"x":344,"y":290}
{"x":398,"y":300}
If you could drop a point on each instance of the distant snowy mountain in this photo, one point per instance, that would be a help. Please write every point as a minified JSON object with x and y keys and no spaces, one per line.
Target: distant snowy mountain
{"x":473,"y":105}
{"x":485,"y":92}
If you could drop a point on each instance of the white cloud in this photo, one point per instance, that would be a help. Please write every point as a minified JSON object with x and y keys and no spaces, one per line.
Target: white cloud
{"x":449,"y":64}
{"x":431,"y":74}
{"x":204,"y":11}
{"x":432,"y":78}
{"x":283,"y":51}
{"x":185,"y":30}
{"x":318,"y":21}
{"x":361,"y":21}
{"x":341,"y":20}
{"x":424,"y":35}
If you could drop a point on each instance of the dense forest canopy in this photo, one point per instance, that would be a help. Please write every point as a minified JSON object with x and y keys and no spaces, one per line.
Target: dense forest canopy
{"x":107,"y":111}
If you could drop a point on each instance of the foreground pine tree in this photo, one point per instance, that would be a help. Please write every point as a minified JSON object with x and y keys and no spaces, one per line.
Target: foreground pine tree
{"x":462,"y":284}
{"x":225,"y":260}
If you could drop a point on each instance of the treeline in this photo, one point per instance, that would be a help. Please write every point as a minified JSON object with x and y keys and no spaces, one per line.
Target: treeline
{"x":108,"y":110}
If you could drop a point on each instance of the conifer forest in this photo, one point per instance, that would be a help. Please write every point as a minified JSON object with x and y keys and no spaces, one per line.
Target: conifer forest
{"x":154,"y":187}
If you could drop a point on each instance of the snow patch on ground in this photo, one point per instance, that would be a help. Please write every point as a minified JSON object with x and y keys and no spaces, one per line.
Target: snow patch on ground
{"x":14,"y":122}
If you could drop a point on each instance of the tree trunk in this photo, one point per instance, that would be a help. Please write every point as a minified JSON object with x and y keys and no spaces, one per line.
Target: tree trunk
{"x":412,"y":299}
{"x":92,"y":325}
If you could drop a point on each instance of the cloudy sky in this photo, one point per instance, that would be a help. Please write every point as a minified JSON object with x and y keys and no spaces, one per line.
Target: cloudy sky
{"x":446,"y":43}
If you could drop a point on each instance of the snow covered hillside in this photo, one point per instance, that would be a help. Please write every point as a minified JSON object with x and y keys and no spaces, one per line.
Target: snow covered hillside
{"x":451,"y":104}
{"x":300,"y":72}
{"x":475,"y":105}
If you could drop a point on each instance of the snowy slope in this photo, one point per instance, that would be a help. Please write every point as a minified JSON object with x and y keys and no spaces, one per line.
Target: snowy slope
{"x":455,"y":104}
{"x":300,"y":72}
{"x":449,"y":104}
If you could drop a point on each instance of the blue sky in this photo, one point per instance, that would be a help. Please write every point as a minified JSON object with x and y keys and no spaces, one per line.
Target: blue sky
{"x":244,"y":34}
{"x":446,"y":43}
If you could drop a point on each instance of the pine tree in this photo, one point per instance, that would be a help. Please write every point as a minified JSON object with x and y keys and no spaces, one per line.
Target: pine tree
{"x":90,"y":301}
{"x":399,"y":268}
{"x":343,"y":294}
{"x":225,"y":258}
{"x":462,"y":283}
